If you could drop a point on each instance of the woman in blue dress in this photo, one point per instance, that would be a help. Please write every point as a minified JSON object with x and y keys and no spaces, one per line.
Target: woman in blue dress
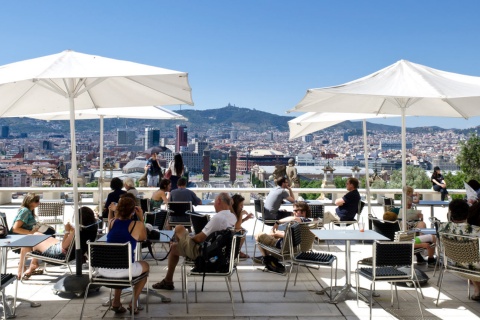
{"x":122,"y":229}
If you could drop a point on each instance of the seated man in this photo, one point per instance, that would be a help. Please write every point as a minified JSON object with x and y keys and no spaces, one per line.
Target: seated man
{"x":188,"y":246}
{"x":275,"y":199}
{"x":275,"y":238}
{"x":421,"y":241}
{"x":347,"y":205}
{"x":184,"y":194}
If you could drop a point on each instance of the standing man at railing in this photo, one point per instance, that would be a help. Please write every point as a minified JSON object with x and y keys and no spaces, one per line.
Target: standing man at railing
{"x":275,"y":199}
{"x":347,"y":206}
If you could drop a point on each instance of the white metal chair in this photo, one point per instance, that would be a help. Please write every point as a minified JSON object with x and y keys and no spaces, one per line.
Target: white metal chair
{"x":389,"y":262}
{"x":112,"y":256}
{"x":458,"y":253}
{"x":302,"y":255}
{"x":51,"y":212}
{"x":232,"y":268}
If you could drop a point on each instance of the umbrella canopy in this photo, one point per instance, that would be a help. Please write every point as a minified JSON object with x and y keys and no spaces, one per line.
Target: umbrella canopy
{"x":315,"y":121}
{"x":404,"y":88}
{"x":150,"y":112}
{"x":71,"y":80}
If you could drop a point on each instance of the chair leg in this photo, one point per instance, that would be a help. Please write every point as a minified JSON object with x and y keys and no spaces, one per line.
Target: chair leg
{"x":228,"y":280}
{"x":84,"y":300}
{"x":254,"y":226}
{"x":133,"y":304}
{"x":296,"y":274}
{"x":288,"y":279}
{"x":183,"y":277}
{"x":418,"y":298}
{"x":396,"y":295}
{"x":240,"y":285}
{"x":371,"y":299}
{"x":440,"y":278}
{"x":186,"y":291}
{"x":416,"y":279}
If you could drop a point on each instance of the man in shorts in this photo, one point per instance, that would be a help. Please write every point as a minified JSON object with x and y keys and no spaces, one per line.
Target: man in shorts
{"x":189,"y":246}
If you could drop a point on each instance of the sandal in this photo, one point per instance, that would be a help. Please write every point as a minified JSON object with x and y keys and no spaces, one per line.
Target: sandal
{"x":163,"y":285}
{"x":26,"y":276}
{"x":243,"y":256}
{"x":475,"y":297}
{"x":119,"y":309}
{"x":135,"y":311}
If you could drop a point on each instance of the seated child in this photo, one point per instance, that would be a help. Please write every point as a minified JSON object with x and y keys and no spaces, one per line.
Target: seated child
{"x":422,"y":241}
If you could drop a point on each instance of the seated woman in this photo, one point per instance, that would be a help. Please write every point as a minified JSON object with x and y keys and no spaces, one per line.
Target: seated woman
{"x":439,"y":184}
{"x":161,"y":196}
{"x":122,"y":229}
{"x":301,"y":213}
{"x":242,"y":216}
{"x":25,"y":221}
{"x":53,"y":246}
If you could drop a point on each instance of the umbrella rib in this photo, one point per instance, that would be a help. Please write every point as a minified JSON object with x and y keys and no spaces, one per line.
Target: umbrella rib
{"x":15,"y":102}
{"x":450,"y":103}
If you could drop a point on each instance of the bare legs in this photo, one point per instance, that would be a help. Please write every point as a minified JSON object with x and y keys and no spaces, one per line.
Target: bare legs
{"x":137,"y":289}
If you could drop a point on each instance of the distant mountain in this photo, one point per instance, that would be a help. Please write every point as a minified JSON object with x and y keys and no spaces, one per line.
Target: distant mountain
{"x":229,"y":116}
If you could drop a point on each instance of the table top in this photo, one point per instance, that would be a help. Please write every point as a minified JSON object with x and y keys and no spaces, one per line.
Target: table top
{"x":432,"y":203}
{"x":207,"y":201}
{"x":5,"y":242}
{"x":428,"y":231}
{"x":336,"y":234}
{"x":23,"y":240}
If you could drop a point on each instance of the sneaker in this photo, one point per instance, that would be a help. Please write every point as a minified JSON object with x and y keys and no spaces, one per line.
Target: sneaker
{"x":432,"y":262}
{"x":421,"y":260}
{"x":258,"y":259}
{"x":163,"y":285}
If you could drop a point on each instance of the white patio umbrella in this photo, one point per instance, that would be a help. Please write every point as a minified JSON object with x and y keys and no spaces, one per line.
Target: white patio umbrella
{"x":70,"y":80}
{"x":147,"y":112}
{"x":403,"y":88}
{"x":315,"y":121}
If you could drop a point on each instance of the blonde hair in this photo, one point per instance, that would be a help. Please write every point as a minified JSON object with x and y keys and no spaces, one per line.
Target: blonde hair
{"x":29,"y":199}
{"x":390,"y":216}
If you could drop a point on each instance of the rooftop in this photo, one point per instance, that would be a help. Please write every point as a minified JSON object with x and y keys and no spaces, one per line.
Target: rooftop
{"x":263,"y":292}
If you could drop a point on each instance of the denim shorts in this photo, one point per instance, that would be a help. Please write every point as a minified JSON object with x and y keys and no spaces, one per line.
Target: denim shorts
{"x":54,"y":250}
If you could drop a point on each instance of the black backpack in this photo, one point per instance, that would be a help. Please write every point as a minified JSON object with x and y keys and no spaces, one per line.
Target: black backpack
{"x":215,"y":253}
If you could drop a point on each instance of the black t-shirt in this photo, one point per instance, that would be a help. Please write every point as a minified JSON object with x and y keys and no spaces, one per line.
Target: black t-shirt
{"x":349,"y":209}
{"x":439,"y":179}
{"x":154,"y":169}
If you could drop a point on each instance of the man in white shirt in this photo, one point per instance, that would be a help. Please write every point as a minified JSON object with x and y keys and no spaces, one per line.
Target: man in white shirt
{"x":189,"y":246}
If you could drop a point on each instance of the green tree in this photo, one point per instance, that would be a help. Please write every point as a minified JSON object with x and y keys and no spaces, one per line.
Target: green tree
{"x":340,"y":182}
{"x":92,"y":184}
{"x":468,"y":158}
{"x":416,"y":178}
{"x":310,"y":184}
{"x":456,"y":181}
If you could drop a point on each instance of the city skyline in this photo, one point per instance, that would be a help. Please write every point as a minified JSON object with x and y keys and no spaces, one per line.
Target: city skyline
{"x":262,"y":55}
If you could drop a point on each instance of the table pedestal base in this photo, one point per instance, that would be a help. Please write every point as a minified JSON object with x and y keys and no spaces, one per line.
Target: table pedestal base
{"x":347,"y":292}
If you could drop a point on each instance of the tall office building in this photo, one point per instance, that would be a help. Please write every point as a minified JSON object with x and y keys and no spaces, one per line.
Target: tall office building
{"x":5,"y":131}
{"x":152,"y":137}
{"x":182,"y":137}
{"x":125,"y":137}
{"x":307,"y":138}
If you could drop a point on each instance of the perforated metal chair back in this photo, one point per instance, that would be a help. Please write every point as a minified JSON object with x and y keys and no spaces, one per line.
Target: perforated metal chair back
{"x":158,"y":218}
{"x":145,"y":205}
{"x":111,"y":256}
{"x":385,"y":228}
{"x":198,"y":221}
{"x":177,"y":212}
{"x":317,"y":210}
{"x":51,"y":212}
{"x":395,"y":254}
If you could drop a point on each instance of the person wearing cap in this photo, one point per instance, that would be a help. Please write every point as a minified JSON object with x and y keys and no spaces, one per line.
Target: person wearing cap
{"x":154,"y":171}
{"x":438,"y":183}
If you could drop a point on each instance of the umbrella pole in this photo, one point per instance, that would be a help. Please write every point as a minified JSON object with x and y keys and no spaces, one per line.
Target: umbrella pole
{"x":100,"y":178}
{"x":367,"y":176}
{"x":74,"y":283}
{"x":404,"y":170}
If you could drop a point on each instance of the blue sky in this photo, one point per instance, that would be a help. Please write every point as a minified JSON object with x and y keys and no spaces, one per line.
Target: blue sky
{"x":253,"y":53}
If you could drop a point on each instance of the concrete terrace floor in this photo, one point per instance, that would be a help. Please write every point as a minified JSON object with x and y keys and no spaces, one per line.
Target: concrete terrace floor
{"x":263,"y":292}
